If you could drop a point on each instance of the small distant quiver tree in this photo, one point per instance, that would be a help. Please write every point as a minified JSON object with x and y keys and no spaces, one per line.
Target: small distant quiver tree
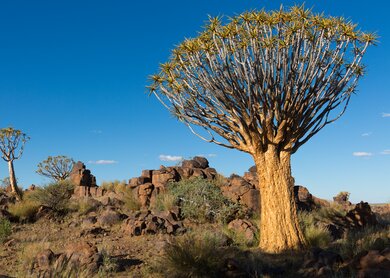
{"x":57,"y":168}
{"x":264,"y":83}
{"x":12,"y":143}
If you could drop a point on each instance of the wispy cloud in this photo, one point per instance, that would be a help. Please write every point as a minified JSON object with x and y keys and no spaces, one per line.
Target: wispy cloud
{"x":385,"y":115}
{"x":165,"y":157}
{"x":207,"y":155}
{"x":386,"y":152}
{"x":97,"y":131}
{"x":366,"y":134}
{"x":103,"y":162}
{"x":362,"y":154}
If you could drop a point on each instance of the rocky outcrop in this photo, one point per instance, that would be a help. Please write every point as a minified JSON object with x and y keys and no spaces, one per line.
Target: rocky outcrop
{"x":152,"y":182}
{"x":242,"y":191}
{"x":84,"y":181}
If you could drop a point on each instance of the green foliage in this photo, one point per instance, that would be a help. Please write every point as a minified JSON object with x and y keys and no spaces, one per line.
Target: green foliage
{"x":57,"y":168}
{"x":315,"y":234}
{"x":5,"y":229}
{"x":370,"y":238}
{"x":24,"y":210}
{"x":54,"y":196}
{"x":202,"y":201}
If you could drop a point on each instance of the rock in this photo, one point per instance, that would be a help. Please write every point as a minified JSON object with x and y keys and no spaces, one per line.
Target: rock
{"x":190,"y":164}
{"x":202,"y":162}
{"x":134,"y":182}
{"x":245,"y":228}
{"x":210,"y":173}
{"x":185,"y":173}
{"x":361,"y":216}
{"x":148,"y":223}
{"x":303,"y":198}
{"x":82,"y":255}
{"x":43,"y":260}
{"x":317,"y":258}
{"x":161,"y":178}
{"x":81,"y":176}
{"x":374,"y":260}
{"x":251,"y":199}
{"x":109,"y":218}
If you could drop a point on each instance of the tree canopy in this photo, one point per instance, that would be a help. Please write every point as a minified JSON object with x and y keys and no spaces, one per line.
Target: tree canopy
{"x":264,"y":77}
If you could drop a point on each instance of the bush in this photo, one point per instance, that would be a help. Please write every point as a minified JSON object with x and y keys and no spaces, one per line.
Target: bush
{"x":24,"y":210}
{"x":54,"y":196}
{"x":202,"y":201}
{"x":5,"y":229}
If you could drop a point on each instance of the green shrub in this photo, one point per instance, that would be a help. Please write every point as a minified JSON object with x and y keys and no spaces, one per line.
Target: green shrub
{"x":54,"y":196}
{"x":202,"y":201}
{"x":5,"y":229}
{"x":24,"y":210}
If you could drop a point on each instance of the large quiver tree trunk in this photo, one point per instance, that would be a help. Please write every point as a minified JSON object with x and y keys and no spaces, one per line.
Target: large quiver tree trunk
{"x":279,"y":225}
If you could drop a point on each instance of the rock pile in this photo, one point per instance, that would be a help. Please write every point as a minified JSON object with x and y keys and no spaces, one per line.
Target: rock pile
{"x":152,"y":223}
{"x":242,"y":191}
{"x":84,"y":181}
{"x":244,"y":228}
{"x":152,"y":182}
{"x":361,"y":216}
{"x":79,"y":255}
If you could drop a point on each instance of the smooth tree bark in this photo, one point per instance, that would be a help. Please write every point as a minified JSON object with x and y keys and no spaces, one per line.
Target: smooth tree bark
{"x":12,"y":143}
{"x":265,"y":83}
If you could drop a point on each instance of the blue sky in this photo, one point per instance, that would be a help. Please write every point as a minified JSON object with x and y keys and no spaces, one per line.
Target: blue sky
{"x":73,"y":76}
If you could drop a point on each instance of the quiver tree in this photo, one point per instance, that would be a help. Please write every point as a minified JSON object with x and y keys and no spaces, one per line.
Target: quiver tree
{"x":12,"y":143}
{"x":265,"y":83}
{"x":56,"y":167}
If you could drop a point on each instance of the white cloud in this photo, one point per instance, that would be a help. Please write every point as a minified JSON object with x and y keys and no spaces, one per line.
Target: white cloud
{"x":362,"y":154}
{"x":164,"y":157}
{"x":386,"y":152}
{"x":103,"y":162}
{"x":385,"y":115}
{"x":97,"y":131}
{"x":207,"y":155}
{"x":366,"y":134}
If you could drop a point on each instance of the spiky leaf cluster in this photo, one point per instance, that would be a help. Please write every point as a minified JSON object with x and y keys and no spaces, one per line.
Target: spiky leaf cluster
{"x":12,"y":143}
{"x":56,"y":167}
{"x":264,"y":77}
